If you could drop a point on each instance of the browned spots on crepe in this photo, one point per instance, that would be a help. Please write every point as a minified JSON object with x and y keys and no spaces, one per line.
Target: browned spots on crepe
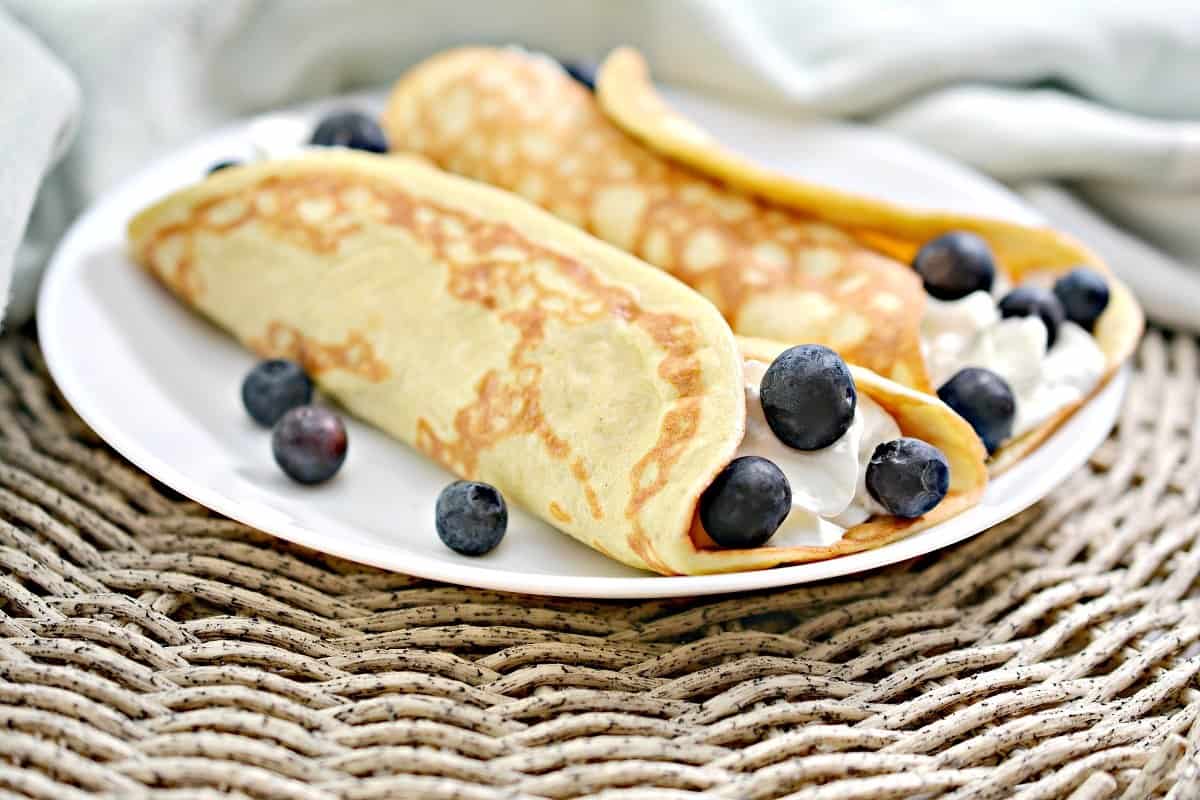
{"x":559,"y":513}
{"x":513,"y":121}
{"x":488,"y":263}
{"x":356,"y":355}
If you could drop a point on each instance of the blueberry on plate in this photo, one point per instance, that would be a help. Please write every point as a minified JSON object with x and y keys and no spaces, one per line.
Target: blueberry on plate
{"x":955,"y":264}
{"x":808,"y":397}
{"x":471,"y":517}
{"x":908,"y":477}
{"x":351,"y":129}
{"x":983,"y":399}
{"x":1029,"y":301}
{"x":220,"y":165}
{"x":746,"y":503}
{"x":274,"y":388}
{"x":1083,"y":293}
{"x":582,"y":72}
{"x":309,"y":444}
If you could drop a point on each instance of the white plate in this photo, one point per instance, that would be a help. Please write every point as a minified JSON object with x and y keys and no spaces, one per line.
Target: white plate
{"x":161,"y":386}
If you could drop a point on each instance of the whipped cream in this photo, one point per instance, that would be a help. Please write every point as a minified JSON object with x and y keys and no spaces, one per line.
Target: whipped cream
{"x":829,"y":492}
{"x":969,"y":332}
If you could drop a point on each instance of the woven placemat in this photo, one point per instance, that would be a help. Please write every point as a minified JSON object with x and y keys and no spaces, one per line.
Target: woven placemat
{"x":152,"y":650}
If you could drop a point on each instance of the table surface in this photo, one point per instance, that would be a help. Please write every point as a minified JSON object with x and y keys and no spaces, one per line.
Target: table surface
{"x":151,"y":649}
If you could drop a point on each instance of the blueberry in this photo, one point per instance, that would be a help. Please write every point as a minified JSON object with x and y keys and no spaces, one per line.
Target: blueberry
{"x":808,"y":397}
{"x":908,"y":477}
{"x":955,"y":264}
{"x":220,"y":165}
{"x":351,"y":129}
{"x":309,"y":444}
{"x":471,"y":517}
{"x":273,"y":388}
{"x":746,"y":503}
{"x":1028,"y":301}
{"x":583,"y":72}
{"x":1083,"y":293}
{"x":984,"y":400}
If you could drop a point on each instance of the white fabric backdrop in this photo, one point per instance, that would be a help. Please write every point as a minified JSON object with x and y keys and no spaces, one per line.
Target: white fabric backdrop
{"x":1098,"y":96}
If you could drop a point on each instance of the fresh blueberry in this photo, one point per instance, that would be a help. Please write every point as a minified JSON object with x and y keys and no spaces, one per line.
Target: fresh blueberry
{"x":309,"y":444}
{"x":351,"y":129}
{"x":808,"y":397}
{"x":984,"y":400}
{"x":908,"y":477}
{"x":746,"y":503}
{"x":955,"y":264}
{"x":582,"y":72}
{"x":220,"y":165}
{"x":1028,"y":301}
{"x":273,"y":388}
{"x":1083,"y":293}
{"x":471,"y":517}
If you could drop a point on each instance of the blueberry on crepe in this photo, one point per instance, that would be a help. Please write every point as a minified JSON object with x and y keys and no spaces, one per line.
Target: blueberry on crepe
{"x":1083,"y":293}
{"x":583,"y":73}
{"x":955,"y":264}
{"x":351,"y":129}
{"x":908,"y":477}
{"x":808,"y":397}
{"x":471,"y":517}
{"x":983,"y":399}
{"x":220,"y":165}
{"x":746,"y":503}
{"x":1029,"y":301}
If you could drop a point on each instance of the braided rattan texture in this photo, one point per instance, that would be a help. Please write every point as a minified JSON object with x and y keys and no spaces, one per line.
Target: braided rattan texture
{"x":151,"y":650}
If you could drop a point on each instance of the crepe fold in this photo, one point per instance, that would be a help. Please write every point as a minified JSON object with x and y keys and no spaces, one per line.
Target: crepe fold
{"x":507,"y":345}
{"x":781,"y":258}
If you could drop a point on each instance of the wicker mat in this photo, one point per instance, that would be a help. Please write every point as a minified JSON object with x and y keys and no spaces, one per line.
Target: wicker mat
{"x":152,"y":650}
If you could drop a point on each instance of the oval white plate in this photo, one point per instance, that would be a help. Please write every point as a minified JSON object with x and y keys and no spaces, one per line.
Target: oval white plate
{"x":161,"y":386}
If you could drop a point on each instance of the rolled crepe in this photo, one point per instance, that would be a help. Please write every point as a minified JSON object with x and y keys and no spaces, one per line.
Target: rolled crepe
{"x":781,"y":258}
{"x":509,"y":346}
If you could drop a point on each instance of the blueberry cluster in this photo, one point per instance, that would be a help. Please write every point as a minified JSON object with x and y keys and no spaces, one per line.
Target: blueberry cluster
{"x":809,"y":399}
{"x":958,"y":263}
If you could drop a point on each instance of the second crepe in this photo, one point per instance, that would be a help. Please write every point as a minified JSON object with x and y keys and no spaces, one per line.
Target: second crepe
{"x":780,"y":258}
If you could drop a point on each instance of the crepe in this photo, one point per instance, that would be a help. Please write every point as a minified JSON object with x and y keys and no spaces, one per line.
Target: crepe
{"x":781,"y":258}
{"x":512,"y":348}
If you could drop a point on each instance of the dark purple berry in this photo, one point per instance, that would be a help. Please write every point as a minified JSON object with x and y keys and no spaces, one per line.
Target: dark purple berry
{"x":471,"y":517}
{"x":309,"y":444}
{"x":908,"y":477}
{"x":273,"y":388}
{"x":1083,"y":293}
{"x":220,"y":165}
{"x":983,"y":399}
{"x":808,"y":397}
{"x":746,"y":503}
{"x":1030,"y":301}
{"x":955,"y":264}
{"x":351,"y":129}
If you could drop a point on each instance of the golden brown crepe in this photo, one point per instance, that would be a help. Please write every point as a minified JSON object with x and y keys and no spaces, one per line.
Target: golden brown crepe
{"x":509,"y":346}
{"x":781,"y":258}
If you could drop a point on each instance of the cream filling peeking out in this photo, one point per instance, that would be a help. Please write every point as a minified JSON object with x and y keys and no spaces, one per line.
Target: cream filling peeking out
{"x":829,"y":492}
{"x":970,"y":332}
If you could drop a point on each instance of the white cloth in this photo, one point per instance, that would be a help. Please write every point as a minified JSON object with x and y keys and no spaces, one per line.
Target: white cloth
{"x":1097,"y":94}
